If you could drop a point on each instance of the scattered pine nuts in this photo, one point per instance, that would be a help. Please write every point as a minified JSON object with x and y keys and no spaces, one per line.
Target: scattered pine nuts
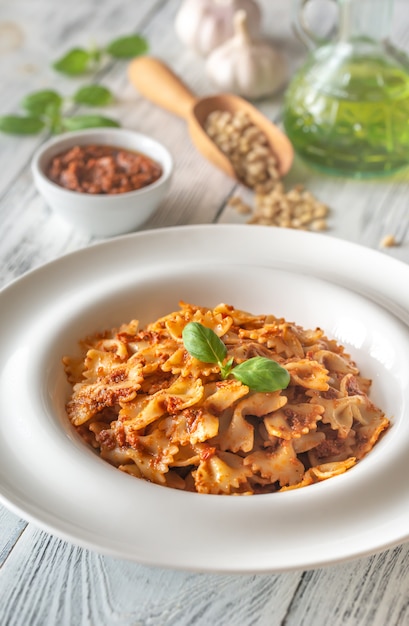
{"x":296,"y":208}
{"x":388,"y":241}
{"x":256,"y":166}
{"x":237,"y":203}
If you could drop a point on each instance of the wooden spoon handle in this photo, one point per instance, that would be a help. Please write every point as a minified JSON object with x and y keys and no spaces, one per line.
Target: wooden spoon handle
{"x":156,"y":81}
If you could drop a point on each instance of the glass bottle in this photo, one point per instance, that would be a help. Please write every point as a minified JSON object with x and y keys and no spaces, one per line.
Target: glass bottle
{"x":346,"y":110}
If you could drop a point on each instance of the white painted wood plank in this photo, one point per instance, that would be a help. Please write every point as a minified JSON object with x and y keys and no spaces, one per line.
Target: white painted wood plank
{"x":368,"y":592}
{"x":62,"y":584}
{"x":11,"y":527}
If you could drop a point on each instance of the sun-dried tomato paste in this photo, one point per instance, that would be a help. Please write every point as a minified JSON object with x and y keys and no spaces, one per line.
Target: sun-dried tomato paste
{"x":101,"y":169}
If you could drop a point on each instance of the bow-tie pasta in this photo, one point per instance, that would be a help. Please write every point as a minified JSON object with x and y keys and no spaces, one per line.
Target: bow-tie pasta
{"x":154,"y":411}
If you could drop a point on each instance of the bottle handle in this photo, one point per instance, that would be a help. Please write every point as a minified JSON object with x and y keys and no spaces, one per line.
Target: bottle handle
{"x":303,"y":30}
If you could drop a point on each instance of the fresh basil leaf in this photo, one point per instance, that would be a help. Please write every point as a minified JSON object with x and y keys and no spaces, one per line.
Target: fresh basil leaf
{"x":20,"y":125}
{"x":75,"y":62}
{"x":78,"y":122}
{"x":261,"y":374}
{"x":39,"y":102}
{"x":127,"y":47}
{"x":93,"y":95}
{"x":203,"y":343}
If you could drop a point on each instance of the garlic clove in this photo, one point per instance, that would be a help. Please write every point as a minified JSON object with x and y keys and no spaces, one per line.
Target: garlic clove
{"x":245,"y":66}
{"x":204,"y":25}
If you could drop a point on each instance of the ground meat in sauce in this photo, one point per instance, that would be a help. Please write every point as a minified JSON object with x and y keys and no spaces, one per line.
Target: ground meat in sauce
{"x":100,"y":169}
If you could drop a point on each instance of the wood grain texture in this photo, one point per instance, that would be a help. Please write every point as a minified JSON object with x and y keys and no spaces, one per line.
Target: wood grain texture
{"x":368,"y":592}
{"x":11,"y":527}
{"x":45,"y":581}
{"x":62,"y":584}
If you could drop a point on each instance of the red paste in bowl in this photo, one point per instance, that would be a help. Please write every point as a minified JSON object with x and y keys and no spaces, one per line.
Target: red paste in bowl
{"x":101,"y":169}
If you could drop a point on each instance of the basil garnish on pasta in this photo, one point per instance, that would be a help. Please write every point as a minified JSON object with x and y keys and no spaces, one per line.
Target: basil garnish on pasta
{"x":258,"y":373}
{"x":262,"y":374}
{"x":203,"y":343}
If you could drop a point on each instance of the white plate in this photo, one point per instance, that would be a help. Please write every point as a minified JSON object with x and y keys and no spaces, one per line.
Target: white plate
{"x":48,"y":476}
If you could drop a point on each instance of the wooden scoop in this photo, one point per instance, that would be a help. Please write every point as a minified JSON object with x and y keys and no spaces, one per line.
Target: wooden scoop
{"x":156,"y":81}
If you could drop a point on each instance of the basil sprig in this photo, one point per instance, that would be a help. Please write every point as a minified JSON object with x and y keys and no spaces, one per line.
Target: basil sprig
{"x":44,"y":109}
{"x":258,"y":373}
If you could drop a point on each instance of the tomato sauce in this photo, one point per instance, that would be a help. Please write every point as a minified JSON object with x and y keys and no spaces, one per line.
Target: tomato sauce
{"x":102,"y":169}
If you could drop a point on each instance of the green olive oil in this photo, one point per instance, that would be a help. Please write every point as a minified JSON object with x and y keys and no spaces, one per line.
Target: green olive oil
{"x":349,"y":115}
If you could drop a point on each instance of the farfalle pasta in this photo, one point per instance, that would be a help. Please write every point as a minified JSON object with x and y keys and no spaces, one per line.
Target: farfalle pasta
{"x":155,"y":412}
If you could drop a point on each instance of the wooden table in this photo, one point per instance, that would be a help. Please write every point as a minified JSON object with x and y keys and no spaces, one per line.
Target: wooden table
{"x":44,"y":580}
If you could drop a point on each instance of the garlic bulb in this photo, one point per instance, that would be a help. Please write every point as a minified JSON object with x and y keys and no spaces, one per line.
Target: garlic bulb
{"x":205,"y":24}
{"x":248,"y":67}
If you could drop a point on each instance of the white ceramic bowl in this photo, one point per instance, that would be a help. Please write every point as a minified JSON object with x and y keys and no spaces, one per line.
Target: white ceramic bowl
{"x":103,"y":215}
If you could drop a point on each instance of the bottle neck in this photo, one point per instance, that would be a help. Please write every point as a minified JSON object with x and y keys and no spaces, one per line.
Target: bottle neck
{"x":365,"y":19}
